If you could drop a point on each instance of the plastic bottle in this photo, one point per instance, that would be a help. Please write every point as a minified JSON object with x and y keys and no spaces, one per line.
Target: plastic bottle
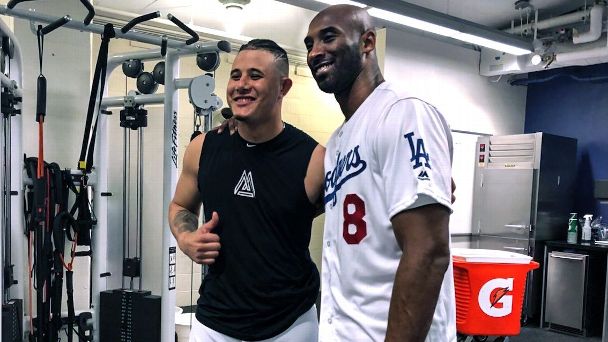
{"x":586,"y":235}
{"x":573,"y":228}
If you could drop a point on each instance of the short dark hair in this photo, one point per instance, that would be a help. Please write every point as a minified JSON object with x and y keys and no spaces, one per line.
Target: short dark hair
{"x":271,"y":46}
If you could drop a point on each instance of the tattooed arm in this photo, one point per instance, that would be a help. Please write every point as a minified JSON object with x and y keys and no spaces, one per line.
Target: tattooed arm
{"x":198,"y":243}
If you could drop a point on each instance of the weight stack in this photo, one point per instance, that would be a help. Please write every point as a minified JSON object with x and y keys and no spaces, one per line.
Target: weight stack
{"x":129,"y":316}
{"x":12,"y":321}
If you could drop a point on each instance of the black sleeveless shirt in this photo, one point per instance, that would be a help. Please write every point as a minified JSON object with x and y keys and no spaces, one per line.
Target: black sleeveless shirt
{"x":264,"y":278}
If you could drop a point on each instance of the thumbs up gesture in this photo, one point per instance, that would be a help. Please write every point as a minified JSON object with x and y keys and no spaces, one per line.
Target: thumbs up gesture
{"x":202,"y":245}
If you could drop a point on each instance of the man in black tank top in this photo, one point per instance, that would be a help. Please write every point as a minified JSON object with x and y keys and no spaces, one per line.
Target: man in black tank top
{"x":259,"y":190}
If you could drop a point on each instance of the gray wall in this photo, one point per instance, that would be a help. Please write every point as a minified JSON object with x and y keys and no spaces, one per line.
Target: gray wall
{"x":447,"y":75}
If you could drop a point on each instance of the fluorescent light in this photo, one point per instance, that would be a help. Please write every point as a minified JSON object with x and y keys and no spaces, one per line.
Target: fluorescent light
{"x":492,"y":44}
{"x":342,"y":2}
{"x":438,"y":23}
{"x":444,"y":31}
{"x":411,"y":22}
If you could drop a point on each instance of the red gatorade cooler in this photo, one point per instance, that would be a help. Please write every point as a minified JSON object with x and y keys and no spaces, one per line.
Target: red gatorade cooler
{"x":490,"y":287}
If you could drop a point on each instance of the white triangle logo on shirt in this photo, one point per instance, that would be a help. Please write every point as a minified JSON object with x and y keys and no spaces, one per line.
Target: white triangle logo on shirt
{"x":245,"y":186}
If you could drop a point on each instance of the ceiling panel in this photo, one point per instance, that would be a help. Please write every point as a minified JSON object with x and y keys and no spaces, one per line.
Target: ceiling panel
{"x":285,"y":21}
{"x":277,"y":15}
{"x":499,"y":13}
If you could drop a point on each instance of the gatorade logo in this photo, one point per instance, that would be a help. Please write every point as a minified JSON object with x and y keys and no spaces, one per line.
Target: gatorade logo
{"x":494,"y":298}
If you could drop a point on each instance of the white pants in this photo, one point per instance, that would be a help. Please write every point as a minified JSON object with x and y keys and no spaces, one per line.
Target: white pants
{"x":304,"y":329}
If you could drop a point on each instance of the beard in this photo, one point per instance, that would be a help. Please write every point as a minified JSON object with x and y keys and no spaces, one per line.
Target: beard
{"x":346,"y":70}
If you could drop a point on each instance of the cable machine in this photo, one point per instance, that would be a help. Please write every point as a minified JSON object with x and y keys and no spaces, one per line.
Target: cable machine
{"x":94,"y":180}
{"x":141,"y":302}
{"x":133,"y":118}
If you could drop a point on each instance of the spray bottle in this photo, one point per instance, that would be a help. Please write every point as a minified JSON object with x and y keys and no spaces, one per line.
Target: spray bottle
{"x":586,"y":234}
{"x":573,"y":228}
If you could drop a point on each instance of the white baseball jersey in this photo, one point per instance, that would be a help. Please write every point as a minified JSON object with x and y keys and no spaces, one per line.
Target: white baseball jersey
{"x":393,"y":154}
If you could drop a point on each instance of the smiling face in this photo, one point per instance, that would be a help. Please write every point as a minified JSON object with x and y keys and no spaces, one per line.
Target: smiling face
{"x":255,"y":88}
{"x":334,"y":56}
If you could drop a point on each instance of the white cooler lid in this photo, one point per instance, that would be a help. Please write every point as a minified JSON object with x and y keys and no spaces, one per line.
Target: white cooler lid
{"x":490,"y":256}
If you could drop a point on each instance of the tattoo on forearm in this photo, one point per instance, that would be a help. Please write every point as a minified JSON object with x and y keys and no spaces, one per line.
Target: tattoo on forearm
{"x":185,"y":221}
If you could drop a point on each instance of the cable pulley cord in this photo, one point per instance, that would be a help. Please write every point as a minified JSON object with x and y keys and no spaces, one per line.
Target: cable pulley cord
{"x":7,"y":191}
{"x":124,"y":198}
{"x":7,"y":202}
{"x":39,"y":115}
{"x":140,"y":179}
{"x":6,"y":243}
{"x":141,"y":201}
{"x":4,"y":211}
{"x":41,"y":212}
{"x":127,"y":205}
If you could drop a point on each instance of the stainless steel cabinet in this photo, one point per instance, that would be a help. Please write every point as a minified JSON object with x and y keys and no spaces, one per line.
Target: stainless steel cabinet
{"x":506,"y":203}
{"x":566,"y":286}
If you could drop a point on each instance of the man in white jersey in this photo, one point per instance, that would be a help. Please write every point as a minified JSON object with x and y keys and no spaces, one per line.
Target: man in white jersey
{"x":386,"y":272}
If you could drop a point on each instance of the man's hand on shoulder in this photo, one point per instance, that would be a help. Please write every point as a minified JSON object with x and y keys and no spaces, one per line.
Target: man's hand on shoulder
{"x":231,"y":123}
{"x":453,"y":190}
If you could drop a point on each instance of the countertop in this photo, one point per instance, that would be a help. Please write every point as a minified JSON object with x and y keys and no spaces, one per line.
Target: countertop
{"x":586,"y":246}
